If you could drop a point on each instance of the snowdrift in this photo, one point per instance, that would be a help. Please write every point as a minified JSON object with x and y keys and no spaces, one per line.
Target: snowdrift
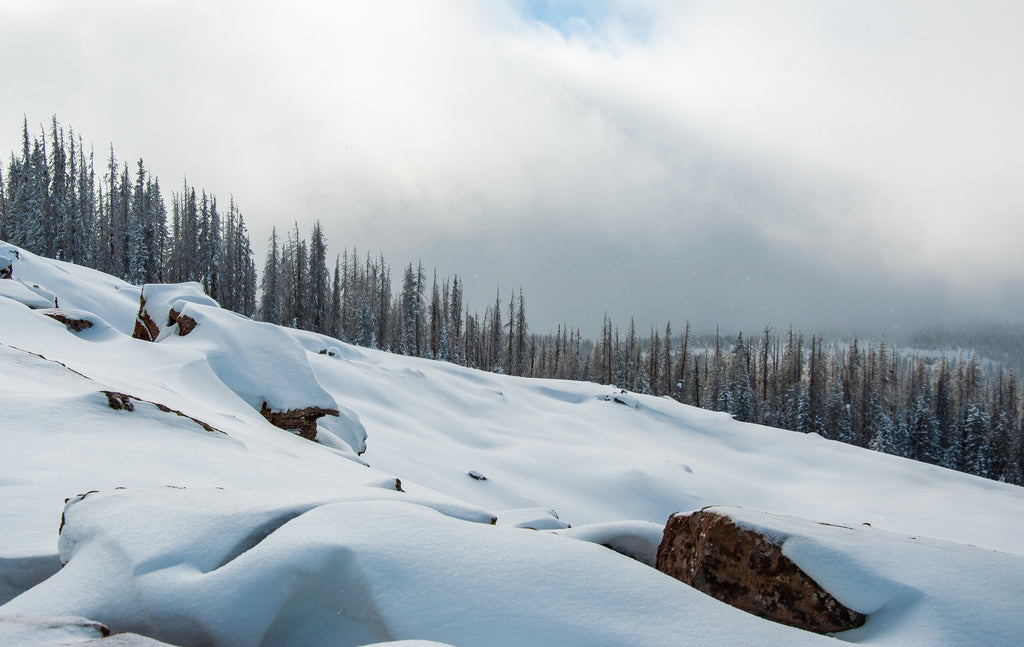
{"x":267,"y":538}
{"x":252,"y":568}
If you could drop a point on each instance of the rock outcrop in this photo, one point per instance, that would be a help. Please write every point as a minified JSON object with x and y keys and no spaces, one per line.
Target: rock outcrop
{"x":747,"y":570}
{"x":300,"y":420}
{"x":186,"y":324}
{"x":157,"y":308}
{"x":145,"y":328}
{"x":74,"y":321}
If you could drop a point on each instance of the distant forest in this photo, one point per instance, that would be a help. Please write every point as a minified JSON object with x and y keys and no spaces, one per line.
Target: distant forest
{"x":952,"y":411}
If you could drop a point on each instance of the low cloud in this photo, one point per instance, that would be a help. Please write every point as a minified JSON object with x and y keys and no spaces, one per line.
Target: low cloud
{"x":735,"y":163}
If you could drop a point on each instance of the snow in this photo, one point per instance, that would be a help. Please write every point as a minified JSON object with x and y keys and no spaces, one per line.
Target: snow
{"x":571,"y":448}
{"x":46,"y":632}
{"x":636,"y":539}
{"x":326,"y":532}
{"x":534,"y":518}
{"x":26,"y":294}
{"x":259,"y":362}
{"x":157,"y":300}
{"x":916,"y":590}
{"x":81,"y":288}
{"x":252,"y":568}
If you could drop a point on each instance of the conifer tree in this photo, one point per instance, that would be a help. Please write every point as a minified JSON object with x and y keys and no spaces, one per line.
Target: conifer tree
{"x":317,"y":317}
{"x":270,"y":286}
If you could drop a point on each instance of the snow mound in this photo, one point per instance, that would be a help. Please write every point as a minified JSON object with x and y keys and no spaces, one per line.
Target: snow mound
{"x":157,"y":301}
{"x":345,"y":427}
{"x":76,"y":287}
{"x":28,"y":631}
{"x":532,"y":518}
{"x":264,"y":568}
{"x":636,"y":539}
{"x":410,"y":643}
{"x":623,"y":397}
{"x":27,"y":294}
{"x":259,"y":362}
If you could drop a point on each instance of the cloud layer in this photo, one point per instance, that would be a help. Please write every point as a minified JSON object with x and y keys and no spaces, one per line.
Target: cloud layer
{"x":830,"y":165}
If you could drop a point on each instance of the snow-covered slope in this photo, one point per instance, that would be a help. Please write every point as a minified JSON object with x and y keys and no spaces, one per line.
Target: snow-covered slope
{"x":277,"y":540}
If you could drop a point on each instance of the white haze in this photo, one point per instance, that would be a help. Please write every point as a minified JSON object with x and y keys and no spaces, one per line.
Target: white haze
{"x":836,"y":164}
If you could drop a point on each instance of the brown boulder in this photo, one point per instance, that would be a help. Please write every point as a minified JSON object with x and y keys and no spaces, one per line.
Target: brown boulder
{"x":186,"y":324}
{"x":145,"y":328}
{"x":747,"y":570}
{"x":157,"y":311}
{"x":75,"y":324}
{"x":300,"y":420}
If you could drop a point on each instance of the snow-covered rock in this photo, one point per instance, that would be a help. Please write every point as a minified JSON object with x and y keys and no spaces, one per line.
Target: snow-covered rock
{"x":160,"y":306}
{"x":75,"y":320}
{"x":263,"y":568}
{"x":72,"y":286}
{"x":914,"y":590}
{"x":939,"y":565}
{"x":28,"y":294}
{"x":748,"y":570}
{"x":260,"y":363}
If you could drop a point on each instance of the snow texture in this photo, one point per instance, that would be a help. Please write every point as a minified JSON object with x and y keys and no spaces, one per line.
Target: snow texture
{"x":157,"y":301}
{"x":253,"y":568}
{"x":258,"y":361}
{"x":280,"y":540}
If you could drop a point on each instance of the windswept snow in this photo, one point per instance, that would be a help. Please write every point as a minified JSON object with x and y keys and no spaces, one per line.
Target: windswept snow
{"x":571,"y":448}
{"x":915,"y":590}
{"x":241,"y":568}
{"x":259,"y":362}
{"x":305,"y":542}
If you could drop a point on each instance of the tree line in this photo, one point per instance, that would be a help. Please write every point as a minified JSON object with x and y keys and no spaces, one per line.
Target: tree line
{"x":927,"y":406}
{"x":56,"y":203}
{"x":953,"y":412}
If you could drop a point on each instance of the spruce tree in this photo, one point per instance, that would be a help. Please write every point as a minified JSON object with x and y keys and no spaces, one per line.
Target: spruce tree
{"x":318,"y":303}
{"x":270,"y":285}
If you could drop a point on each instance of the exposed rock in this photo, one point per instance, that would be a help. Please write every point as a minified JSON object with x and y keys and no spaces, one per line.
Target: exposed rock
{"x":119,"y":401}
{"x":473,"y":474}
{"x":145,"y":328}
{"x":186,"y":324}
{"x":123,"y":401}
{"x":6,"y":268}
{"x":622,"y":397}
{"x":300,"y":420}
{"x":747,"y":570}
{"x":74,"y":323}
{"x":157,"y":303}
{"x":394,"y":484}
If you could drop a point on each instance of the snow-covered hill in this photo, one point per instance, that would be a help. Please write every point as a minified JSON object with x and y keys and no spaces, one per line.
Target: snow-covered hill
{"x":265,"y":538}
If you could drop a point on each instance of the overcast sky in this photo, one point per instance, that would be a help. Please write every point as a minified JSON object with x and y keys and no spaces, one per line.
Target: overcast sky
{"x":831,"y":165}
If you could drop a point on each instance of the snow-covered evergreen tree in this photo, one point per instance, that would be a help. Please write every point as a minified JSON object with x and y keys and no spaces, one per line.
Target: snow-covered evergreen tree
{"x":317,"y":313}
{"x":270,"y":286}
